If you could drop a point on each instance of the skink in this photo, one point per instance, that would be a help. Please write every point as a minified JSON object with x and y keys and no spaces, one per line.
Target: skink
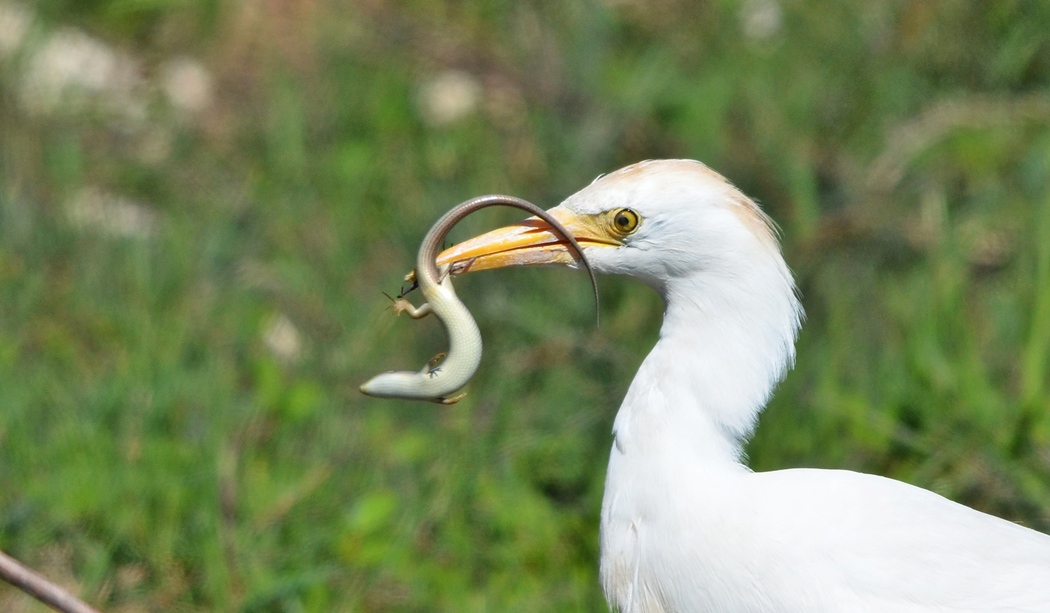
{"x":439,"y":382}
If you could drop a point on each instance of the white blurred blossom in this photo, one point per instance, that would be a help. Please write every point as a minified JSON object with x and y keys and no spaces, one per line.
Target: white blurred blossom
{"x":69,"y":70}
{"x":761,"y":19}
{"x":15,"y":21}
{"x":448,"y":97}
{"x":283,"y":339}
{"x":71,"y":67}
{"x":93,"y":209}
{"x":187,"y":84}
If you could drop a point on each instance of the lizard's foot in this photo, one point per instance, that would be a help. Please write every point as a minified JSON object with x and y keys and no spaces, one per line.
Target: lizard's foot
{"x":434,"y":361}
{"x":452,"y":399}
{"x":432,"y":369}
{"x":398,"y":305}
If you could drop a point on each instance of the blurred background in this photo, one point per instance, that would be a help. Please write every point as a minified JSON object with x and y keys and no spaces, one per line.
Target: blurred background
{"x":201,"y":201}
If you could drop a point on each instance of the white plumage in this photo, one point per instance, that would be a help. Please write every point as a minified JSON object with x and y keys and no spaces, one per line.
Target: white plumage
{"x":685,"y":525}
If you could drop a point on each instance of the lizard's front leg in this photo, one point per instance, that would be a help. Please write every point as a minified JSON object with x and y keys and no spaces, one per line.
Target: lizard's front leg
{"x":401,"y":305}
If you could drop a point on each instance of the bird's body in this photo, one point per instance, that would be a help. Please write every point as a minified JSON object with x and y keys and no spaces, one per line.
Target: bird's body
{"x":810,"y":541}
{"x":685,"y":525}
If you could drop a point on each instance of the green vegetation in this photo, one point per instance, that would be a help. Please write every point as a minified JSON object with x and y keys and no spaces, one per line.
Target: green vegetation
{"x":190,"y":294}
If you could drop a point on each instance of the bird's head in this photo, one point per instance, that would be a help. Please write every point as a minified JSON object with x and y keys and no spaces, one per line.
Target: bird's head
{"x":731,"y":311}
{"x":658,"y":221}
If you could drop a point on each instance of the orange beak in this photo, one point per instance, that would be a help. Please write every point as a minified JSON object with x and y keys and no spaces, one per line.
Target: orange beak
{"x":531,"y":242}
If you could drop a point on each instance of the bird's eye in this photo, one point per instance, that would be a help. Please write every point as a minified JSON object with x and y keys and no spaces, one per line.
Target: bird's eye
{"x":625,"y":221}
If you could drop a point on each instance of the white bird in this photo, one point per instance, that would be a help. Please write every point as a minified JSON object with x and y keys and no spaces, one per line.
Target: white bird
{"x":685,"y":525}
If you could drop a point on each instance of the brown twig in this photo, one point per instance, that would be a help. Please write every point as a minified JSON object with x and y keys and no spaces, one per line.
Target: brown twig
{"x":32,"y":583}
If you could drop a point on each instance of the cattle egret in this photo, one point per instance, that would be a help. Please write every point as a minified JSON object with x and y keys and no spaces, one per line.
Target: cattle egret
{"x":685,"y":525}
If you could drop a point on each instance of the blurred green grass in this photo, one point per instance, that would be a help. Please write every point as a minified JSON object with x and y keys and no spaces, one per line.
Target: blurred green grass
{"x":180,"y":427}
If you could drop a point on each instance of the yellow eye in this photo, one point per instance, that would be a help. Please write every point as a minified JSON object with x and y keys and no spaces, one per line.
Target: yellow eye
{"x":625,"y":221}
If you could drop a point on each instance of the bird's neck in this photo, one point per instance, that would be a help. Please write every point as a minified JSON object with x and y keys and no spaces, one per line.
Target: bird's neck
{"x":724,"y":345}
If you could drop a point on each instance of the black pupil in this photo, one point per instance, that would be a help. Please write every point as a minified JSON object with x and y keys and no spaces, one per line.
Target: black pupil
{"x":623,"y":220}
